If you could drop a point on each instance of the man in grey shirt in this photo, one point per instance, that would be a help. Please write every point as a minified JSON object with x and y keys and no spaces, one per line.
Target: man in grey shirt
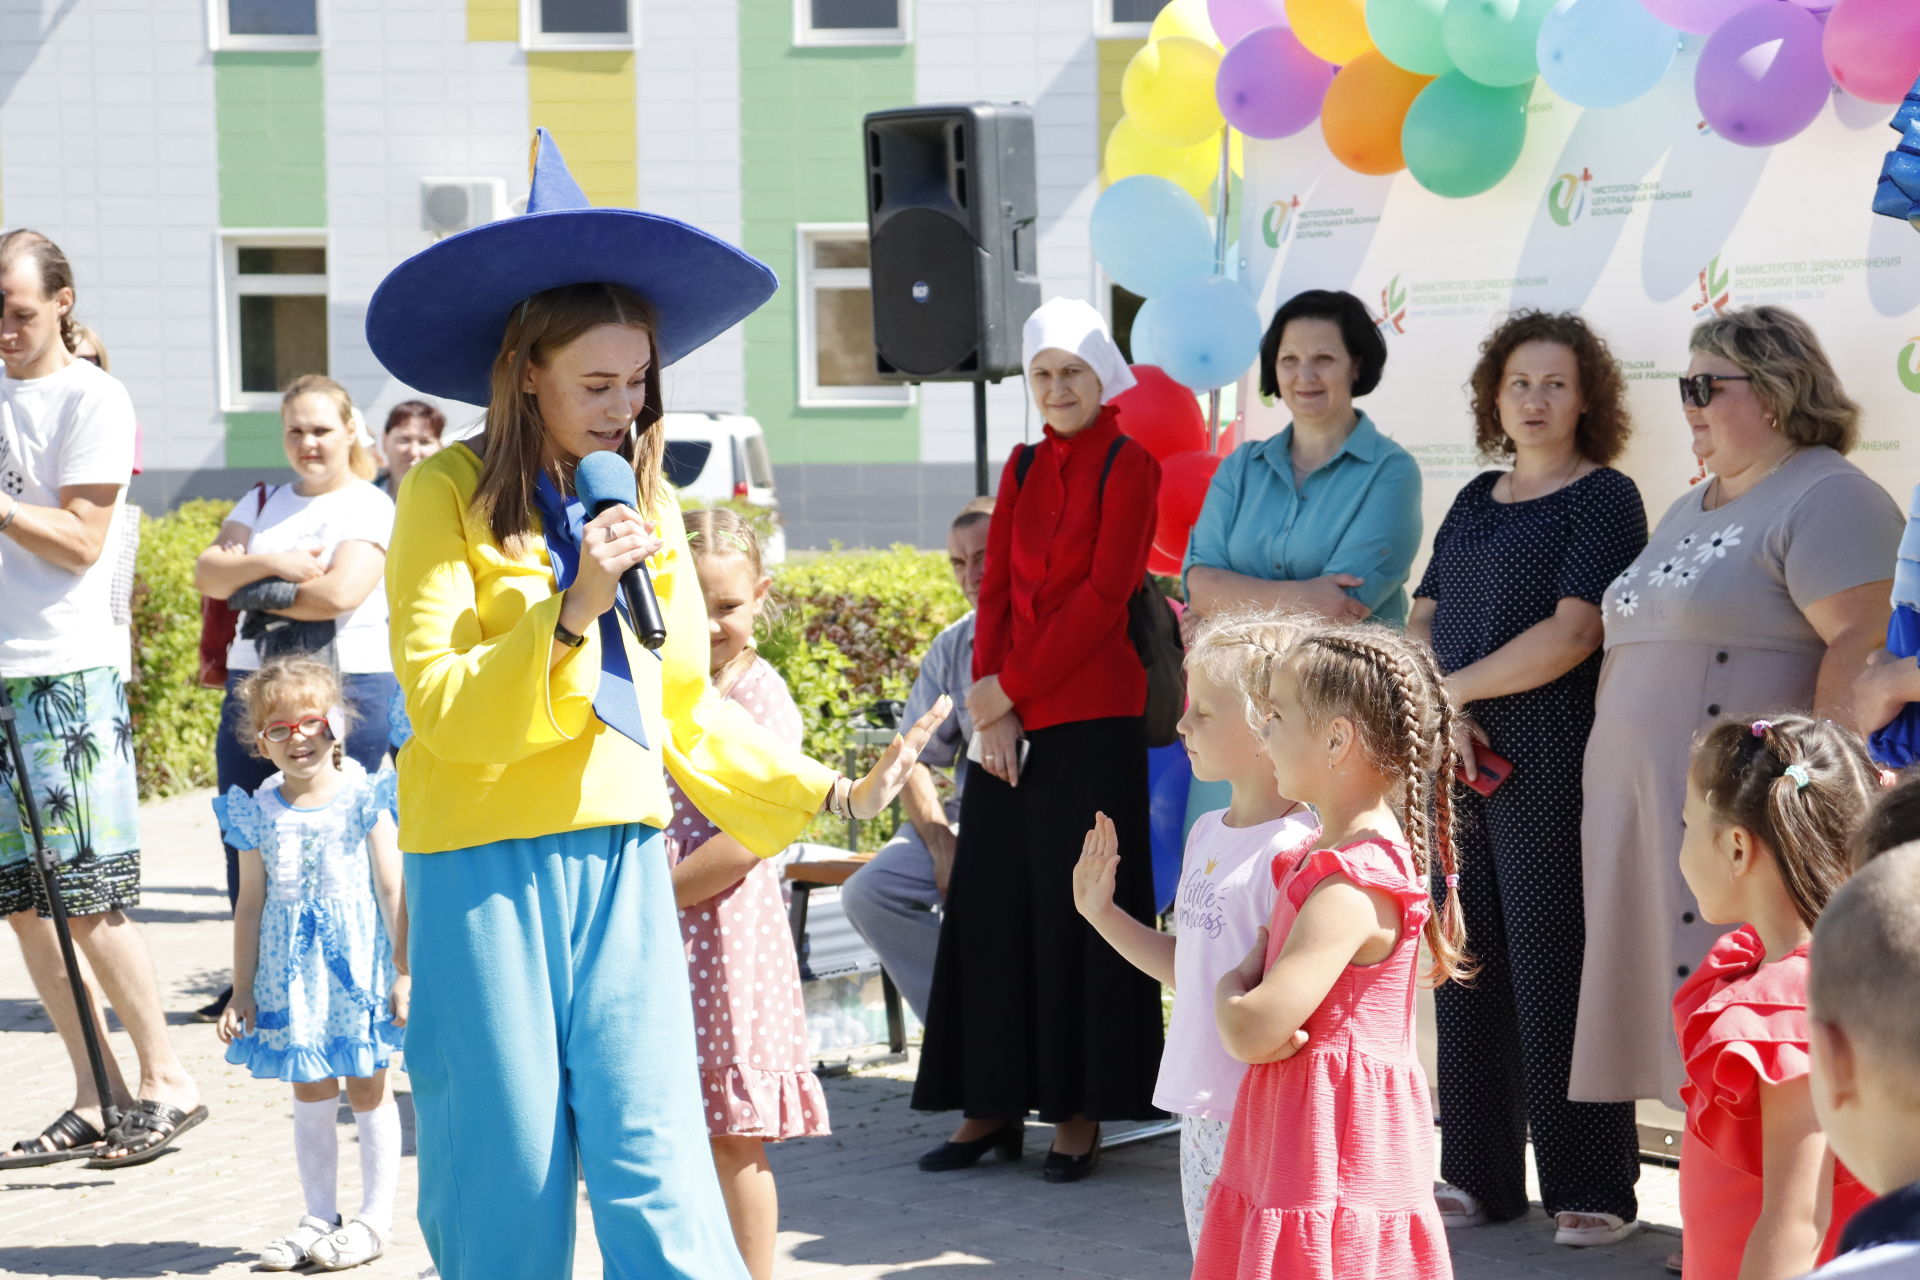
{"x":894,"y":901}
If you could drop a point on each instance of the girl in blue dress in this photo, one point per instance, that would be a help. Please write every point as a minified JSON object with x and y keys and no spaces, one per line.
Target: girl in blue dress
{"x":320,"y":986}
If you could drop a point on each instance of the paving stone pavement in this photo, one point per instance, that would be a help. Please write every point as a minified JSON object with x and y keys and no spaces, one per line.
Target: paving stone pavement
{"x":852,"y":1206}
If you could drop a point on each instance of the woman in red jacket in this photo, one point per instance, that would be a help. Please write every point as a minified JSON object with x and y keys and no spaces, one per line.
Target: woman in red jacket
{"x":1030,"y":1010}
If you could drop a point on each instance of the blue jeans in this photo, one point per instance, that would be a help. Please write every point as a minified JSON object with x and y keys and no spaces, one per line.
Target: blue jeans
{"x":369,"y":695}
{"x":551,"y":1035}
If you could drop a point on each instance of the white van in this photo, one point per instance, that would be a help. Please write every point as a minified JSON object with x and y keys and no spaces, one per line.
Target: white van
{"x":714,"y":457}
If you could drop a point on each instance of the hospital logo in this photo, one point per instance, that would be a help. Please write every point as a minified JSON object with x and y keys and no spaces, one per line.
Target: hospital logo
{"x":1567,"y":197}
{"x":1909,"y":366}
{"x":1393,"y":307}
{"x":1716,"y":289}
{"x":1276,"y":224}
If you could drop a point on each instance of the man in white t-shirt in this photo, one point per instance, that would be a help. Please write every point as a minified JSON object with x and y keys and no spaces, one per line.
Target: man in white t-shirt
{"x":66,"y":451}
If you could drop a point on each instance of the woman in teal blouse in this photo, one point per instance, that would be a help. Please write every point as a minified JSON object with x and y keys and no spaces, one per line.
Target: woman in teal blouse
{"x":1324,"y":517}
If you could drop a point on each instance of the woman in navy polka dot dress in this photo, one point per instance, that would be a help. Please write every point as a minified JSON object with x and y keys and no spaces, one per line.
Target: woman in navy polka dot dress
{"x":1511,"y":604}
{"x":749,"y":1017}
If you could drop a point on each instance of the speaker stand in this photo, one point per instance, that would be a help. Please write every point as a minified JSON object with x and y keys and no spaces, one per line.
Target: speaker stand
{"x":980,"y":438}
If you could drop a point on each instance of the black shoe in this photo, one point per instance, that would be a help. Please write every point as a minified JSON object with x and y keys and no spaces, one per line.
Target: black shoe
{"x":1007,"y":1140}
{"x":1064,"y":1168}
{"x":212,"y":1012}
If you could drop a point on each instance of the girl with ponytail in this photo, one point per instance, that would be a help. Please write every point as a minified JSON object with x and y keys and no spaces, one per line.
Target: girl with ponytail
{"x":1329,"y":1161}
{"x":1771,"y":807}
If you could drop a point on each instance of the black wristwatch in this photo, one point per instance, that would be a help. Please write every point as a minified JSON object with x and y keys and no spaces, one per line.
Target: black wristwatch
{"x":567,"y":637}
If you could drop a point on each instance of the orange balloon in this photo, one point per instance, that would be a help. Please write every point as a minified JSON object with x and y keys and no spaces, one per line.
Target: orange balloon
{"x":1364,"y":108}
{"x":1332,"y":30}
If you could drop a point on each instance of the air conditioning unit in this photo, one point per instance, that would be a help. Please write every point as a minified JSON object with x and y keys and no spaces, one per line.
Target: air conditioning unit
{"x":448,"y":205}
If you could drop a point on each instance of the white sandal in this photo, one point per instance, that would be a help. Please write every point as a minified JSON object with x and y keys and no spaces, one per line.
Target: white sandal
{"x":355,"y":1243}
{"x":1605,"y":1228}
{"x":290,"y":1250}
{"x":1458,"y":1208}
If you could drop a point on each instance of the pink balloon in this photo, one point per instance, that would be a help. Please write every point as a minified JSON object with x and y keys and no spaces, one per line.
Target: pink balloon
{"x":1873,"y":47}
{"x":1269,"y":86}
{"x":1762,"y":78}
{"x":1701,"y":17}
{"x":1234,"y":20}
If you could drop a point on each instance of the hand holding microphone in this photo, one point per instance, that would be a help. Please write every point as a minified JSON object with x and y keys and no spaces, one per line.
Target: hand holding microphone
{"x":615,"y":544}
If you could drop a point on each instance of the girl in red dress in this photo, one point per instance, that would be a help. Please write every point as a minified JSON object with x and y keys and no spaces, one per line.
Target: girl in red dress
{"x":1330,"y":1156}
{"x":1770,"y":808}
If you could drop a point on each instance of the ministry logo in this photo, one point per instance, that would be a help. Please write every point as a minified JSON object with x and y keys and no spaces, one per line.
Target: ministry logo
{"x":1716,"y":288}
{"x":1393,"y":307}
{"x":1567,"y":197}
{"x":1276,"y":224}
{"x":1909,"y":365}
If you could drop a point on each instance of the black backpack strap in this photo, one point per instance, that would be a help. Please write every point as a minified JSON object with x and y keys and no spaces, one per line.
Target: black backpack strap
{"x":1023,"y":463}
{"x":1113,"y":451}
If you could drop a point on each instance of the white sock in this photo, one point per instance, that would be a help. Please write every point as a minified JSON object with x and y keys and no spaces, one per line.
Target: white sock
{"x":379,"y":1162}
{"x":316,"y":1150}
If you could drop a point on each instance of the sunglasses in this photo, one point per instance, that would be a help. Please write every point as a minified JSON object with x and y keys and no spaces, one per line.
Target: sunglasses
{"x":306,"y":727}
{"x":1698,"y":390}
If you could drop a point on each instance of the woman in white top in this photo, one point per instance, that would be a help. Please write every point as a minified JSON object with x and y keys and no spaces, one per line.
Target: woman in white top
{"x":310,"y":552}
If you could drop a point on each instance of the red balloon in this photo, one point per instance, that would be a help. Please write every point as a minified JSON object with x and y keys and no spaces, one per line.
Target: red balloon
{"x":1183,"y":489}
{"x":1161,"y":563}
{"x":1161,"y":414}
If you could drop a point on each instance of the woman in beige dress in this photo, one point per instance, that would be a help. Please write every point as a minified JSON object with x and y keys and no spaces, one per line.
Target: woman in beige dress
{"x":1761,"y":590}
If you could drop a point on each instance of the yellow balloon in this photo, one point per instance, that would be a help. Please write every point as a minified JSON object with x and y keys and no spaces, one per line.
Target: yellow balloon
{"x":1185,"y":18}
{"x":1192,"y":169}
{"x":1332,"y":30}
{"x":1168,"y":91}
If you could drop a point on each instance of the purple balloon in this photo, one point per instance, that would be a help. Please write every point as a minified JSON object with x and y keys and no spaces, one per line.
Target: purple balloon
{"x":1762,"y":76}
{"x":1269,"y":86}
{"x":1699,"y":17}
{"x":1234,"y":20}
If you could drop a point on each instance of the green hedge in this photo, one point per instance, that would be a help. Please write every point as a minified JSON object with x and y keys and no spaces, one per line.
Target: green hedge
{"x":849,"y":630}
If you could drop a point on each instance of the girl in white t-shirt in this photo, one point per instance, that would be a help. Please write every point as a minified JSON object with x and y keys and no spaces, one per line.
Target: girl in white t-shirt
{"x":1226,"y":894}
{"x":314,"y":550}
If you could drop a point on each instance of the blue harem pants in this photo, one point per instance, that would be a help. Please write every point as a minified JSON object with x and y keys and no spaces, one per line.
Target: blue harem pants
{"x":551,"y":1033}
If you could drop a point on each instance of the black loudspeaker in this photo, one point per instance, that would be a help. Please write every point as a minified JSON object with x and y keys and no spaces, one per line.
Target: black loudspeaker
{"x":951,"y":202}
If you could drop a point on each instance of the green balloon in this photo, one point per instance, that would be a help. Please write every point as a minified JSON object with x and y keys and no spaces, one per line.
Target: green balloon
{"x":1461,"y":137}
{"x":1495,"y":41}
{"x":1408,"y":32}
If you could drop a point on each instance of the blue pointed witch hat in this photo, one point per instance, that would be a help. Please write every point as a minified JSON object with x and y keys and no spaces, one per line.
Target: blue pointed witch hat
{"x":436,"y":321}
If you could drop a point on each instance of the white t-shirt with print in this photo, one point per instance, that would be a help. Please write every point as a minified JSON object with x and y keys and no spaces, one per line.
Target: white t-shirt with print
{"x":356,"y":512}
{"x":74,"y":427}
{"x":1226,"y":895}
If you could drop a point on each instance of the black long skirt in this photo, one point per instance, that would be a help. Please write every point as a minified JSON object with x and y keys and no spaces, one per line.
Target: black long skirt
{"x":1031,"y":1009}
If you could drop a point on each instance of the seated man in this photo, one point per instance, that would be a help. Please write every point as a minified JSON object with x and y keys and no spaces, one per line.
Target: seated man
{"x":893,"y":901}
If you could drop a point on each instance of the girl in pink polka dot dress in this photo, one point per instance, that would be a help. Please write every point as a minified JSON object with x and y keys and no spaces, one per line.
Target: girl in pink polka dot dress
{"x":749,"y":1019}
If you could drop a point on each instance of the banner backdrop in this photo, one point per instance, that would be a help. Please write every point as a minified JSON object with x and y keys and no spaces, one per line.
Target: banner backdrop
{"x":1636,"y":216}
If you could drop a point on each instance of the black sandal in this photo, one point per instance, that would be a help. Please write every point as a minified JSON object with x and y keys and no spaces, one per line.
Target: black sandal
{"x":71,"y":1137}
{"x":145,"y":1133}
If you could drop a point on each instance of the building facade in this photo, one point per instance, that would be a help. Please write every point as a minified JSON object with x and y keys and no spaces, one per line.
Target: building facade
{"x":232,"y":178}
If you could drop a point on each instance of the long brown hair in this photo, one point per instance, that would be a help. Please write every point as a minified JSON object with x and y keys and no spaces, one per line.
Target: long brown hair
{"x":1804,"y":818}
{"x":1391,"y":690}
{"x":1602,"y":432}
{"x":516,"y":439}
{"x":360,"y":459}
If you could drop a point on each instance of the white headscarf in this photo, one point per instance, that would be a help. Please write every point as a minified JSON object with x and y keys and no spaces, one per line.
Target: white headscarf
{"x":1068,"y":324}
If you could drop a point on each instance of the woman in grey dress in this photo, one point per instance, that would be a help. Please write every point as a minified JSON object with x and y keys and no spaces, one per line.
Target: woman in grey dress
{"x":1763,"y":589}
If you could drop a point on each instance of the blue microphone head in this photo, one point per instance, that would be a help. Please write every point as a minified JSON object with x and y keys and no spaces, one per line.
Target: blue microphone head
{"x":602,"y":479}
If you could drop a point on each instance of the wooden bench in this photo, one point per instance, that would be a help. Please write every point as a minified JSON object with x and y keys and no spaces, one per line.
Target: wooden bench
{"x":804,"y":877}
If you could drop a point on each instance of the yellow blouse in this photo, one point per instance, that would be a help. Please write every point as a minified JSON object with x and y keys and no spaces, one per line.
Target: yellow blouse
{"x":505,"y":748}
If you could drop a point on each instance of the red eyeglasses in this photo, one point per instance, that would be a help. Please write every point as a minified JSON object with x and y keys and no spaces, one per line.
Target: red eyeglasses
{"x":306,"y":727}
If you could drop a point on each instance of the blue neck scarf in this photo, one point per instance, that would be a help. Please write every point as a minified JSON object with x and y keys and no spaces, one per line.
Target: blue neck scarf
{"x":615,"y":700}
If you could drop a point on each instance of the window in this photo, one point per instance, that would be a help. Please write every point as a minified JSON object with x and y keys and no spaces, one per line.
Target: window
{"x":842,"y":22}
{"x":274,"y":320}
{"x":837,"y":356}
{"x":265,"y":24}
{"x":579,"y":25}
{"x":1125,"y":19}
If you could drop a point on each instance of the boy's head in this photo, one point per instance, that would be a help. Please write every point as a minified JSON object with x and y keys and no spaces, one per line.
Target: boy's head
{"x":1893,"y":820}
{"x":1865,"y":1032}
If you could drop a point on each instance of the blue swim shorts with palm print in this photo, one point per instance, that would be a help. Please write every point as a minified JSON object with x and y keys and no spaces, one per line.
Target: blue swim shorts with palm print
{"x":77,"y":736}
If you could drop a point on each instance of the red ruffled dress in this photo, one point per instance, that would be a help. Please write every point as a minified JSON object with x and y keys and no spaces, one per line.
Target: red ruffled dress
{"x":1328,"y":1173}
{"x":1742,"y":1023}
{"x":749,"y":1015}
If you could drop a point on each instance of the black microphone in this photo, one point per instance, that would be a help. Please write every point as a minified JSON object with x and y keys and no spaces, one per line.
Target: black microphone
{"x":604,"y":479}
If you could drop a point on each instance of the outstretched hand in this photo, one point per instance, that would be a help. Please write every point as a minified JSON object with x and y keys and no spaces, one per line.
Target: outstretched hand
{"x":1094,"y":875}
{"x":876,"y":791}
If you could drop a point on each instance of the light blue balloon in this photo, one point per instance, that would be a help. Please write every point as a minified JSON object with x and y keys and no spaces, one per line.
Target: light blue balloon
{"x":1206,"y":332}
{"x":1141,"y":340}
{"x":1604,"y":53}
{"x":1150,"y":235}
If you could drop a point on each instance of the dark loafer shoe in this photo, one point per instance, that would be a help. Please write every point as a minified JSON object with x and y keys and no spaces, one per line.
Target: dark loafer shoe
{"x":948,"y":1156}
{"x":1064,"y":1168}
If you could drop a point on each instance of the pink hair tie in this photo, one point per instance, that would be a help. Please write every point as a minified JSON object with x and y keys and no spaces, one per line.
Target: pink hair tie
{"x":1760,"y":728}
{"x":1453,"y":882}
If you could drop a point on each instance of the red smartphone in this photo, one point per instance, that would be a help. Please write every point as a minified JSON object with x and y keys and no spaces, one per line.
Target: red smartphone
{"x":1491,"y":768}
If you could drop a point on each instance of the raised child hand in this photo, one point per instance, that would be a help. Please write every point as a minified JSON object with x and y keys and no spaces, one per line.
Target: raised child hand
{"x":1094,"y":874}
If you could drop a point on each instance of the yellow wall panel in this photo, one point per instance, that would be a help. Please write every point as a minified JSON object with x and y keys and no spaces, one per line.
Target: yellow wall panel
{"x":493,"y":20}
{"x":586,"y":100}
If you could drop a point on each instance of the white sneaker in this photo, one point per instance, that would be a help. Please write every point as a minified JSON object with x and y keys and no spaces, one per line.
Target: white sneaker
{"x":290,"y":1250}
{"x":355,"y":1243}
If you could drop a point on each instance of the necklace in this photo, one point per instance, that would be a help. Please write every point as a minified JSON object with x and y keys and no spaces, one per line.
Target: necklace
{"x":1565,"y":479}
{"x":1711,"y":499}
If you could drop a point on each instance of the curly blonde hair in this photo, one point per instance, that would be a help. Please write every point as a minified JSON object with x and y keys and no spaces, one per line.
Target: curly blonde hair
{"x":288,"y":683}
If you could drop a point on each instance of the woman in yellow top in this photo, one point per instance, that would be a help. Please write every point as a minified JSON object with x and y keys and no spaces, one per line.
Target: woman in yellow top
{"x":551,"y":1031}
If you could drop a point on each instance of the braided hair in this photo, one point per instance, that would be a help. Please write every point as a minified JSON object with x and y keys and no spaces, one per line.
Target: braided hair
{"x":1799,"y":785}
{"x":1390,"y":688}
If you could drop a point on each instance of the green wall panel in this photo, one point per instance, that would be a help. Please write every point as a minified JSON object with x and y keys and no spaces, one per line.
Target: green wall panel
{"x":800,"y":112}
{"x":271,"y":117}
{"x":254,"y":440}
